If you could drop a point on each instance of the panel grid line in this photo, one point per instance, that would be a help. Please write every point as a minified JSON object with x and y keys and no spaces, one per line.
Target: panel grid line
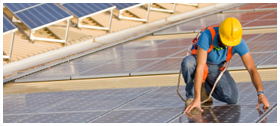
{"x":105,"y":113}
{"x":51,"y":106}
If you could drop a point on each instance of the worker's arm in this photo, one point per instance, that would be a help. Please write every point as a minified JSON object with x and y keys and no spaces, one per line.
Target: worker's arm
{"x":255,"y":77}
{"x":200,"y":64}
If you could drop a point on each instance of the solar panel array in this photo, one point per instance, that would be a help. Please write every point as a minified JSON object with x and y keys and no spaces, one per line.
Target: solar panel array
{"x":132,"y":105}
{"x":34,"y":15}
{"x":82,"y":9}
{"x":41,"y":15}
{"x":7,"y":25}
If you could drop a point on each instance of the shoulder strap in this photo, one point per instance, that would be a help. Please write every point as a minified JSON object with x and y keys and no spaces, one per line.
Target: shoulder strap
{"x":213,"y":34}
{"x":229,"y":53}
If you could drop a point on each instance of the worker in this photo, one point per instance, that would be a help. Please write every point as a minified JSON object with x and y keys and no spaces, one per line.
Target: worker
{"x":214,"y":47}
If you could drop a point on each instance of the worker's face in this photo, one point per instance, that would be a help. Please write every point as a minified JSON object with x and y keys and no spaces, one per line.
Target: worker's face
{"x":220,"y":43}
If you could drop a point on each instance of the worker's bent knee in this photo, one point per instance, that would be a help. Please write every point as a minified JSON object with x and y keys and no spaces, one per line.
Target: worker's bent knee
{"x":188,"y":62}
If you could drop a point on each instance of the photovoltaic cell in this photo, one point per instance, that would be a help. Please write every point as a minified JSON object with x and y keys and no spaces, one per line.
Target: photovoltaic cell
{"x":83,"y":9}
{"x":121,"y":6}
{"x":169,"y":64}
{"x":118,"y":67}
{"x":42,"y":15}
{"x":176,"y":43}
{"x":7,"y":25}
{"x":14,"y":7}
{"x":154,"y":53}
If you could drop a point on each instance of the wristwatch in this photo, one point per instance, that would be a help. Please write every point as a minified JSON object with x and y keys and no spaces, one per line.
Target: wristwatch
{"x":260,"y":93}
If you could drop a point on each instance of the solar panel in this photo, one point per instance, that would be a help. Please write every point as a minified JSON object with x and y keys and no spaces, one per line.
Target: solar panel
{"x":14,"y":7}
{"x":42,"y":15}
{"x":121,"y":6}
{"x":83,"y":9}
{"x":7,"y":25}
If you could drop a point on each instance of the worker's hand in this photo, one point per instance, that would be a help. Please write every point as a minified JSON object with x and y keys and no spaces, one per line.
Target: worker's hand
{"x":263,"y":99}
{"x":195,"y":103}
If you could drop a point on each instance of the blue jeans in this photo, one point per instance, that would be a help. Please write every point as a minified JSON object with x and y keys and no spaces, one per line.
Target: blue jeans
{"x":226,"y":88}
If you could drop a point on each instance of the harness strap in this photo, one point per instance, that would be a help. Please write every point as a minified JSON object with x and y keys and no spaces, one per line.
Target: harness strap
{"x":213,"y":34}
{"x":229,"y":55}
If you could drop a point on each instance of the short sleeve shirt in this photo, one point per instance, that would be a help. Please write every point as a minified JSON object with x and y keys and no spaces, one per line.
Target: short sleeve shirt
{"x":219,"y":56}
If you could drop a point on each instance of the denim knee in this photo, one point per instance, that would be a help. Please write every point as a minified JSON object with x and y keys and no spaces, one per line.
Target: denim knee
{"x":188,"y":62}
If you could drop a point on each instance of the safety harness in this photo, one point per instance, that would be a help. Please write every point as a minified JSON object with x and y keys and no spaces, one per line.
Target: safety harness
{"x":213,"y":34}
{"x":205,"y":71}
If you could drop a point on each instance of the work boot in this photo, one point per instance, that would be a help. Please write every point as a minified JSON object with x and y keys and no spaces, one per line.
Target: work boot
{"x":204,"y":95}
{"x":194,"y":111}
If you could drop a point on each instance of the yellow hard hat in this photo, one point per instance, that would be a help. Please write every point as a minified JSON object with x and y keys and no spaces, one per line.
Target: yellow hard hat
{"x":230,"y":31}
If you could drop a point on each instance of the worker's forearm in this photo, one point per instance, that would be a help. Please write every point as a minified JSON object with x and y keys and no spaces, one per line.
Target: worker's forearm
{"x":198,"y":81}
{"x":256,"y":79}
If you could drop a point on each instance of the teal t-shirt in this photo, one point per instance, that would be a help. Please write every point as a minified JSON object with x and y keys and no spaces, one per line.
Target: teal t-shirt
{"x":219,"y":56}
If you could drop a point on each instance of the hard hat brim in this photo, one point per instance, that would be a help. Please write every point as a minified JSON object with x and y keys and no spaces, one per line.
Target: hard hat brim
{"x":230,"y":43}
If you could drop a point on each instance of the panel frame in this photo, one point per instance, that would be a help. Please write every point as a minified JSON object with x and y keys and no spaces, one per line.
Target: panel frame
{"x":164,"y":10}
{"x":12,"y":31}
{"x":32,"y":30}
{"x":80,"y":25}
{"x":135,"y":19}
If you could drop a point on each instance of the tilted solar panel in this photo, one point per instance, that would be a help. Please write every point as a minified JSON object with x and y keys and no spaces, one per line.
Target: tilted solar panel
{"x":83,"y":9}
{"x":14,"y":7}
{"x":121,"y":6}
{"x":42,"y":15}
{"x":7,"y":25}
